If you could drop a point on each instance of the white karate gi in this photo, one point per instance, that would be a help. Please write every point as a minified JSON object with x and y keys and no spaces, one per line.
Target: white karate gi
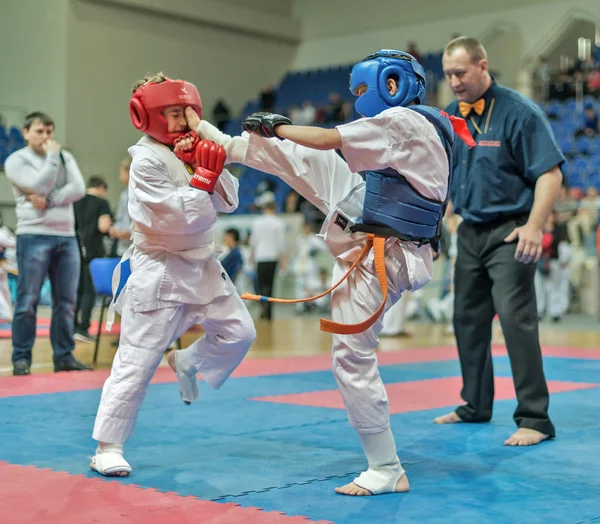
{"x":405,"y":141}
{"x":176,"y":282}
{"x":397,"y":138}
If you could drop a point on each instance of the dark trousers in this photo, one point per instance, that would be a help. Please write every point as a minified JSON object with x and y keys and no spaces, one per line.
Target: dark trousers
{"x":86,"y":297}
{"x":265,"y":274}
{"x":488,"y":280}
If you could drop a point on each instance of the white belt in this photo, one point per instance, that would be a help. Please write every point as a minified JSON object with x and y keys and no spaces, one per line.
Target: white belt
{"x":173,"y":243}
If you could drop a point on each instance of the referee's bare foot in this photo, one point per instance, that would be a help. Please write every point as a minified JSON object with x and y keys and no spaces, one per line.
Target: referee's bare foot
{"x":525,"y":437}
{"x":352,"y":489}
{"x":450,"y":418}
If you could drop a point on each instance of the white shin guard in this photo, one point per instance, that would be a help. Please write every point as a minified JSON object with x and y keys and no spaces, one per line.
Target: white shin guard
{"x":109,"y":460}
{"x":385,"y":469}
{"x":189,"y":389}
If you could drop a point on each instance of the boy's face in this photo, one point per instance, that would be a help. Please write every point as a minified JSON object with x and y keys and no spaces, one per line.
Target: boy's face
{"x":175,"y":117}
{"x":37,"y":135}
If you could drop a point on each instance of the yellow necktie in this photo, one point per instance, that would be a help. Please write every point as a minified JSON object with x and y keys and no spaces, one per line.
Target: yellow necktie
{"x":465,"y":108}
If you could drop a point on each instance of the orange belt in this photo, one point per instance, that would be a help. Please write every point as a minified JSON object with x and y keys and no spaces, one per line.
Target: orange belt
{"x":373,"y":241}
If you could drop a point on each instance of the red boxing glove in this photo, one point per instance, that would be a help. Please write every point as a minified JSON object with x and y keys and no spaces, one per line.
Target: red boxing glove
{"x":187,"y":156}
{"x":210,"y":158}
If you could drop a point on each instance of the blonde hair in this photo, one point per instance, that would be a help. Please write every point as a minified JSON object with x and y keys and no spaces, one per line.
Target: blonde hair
{"x":471,"y":45}
{"x":156,"y":79}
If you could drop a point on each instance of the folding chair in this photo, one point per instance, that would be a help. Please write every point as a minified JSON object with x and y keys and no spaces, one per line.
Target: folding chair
{"x":102,"y":270}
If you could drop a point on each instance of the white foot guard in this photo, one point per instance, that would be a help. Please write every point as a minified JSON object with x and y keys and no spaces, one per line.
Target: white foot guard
{"x":109,"y":461}
{"x":380,"y":479}
{"x":189,"y":389}
{"x":385,"y":469}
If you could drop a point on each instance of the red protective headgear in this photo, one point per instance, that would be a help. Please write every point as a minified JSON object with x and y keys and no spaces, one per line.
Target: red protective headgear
{"x":151,"y":99}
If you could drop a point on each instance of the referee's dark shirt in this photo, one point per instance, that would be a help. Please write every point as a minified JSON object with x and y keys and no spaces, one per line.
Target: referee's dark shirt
{"x":515,"y":146}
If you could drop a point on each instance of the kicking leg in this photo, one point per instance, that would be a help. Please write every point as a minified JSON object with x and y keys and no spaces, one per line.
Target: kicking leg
{"x":229,"y":335}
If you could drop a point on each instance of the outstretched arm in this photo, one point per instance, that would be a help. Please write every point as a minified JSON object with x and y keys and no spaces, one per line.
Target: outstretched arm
{"x":313,"y":137}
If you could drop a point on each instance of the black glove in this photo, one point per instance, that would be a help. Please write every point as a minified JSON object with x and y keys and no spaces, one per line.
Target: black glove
{"x":264,"y":124}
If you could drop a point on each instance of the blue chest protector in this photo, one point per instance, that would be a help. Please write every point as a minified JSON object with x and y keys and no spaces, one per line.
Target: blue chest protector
{"x":394,"y":208}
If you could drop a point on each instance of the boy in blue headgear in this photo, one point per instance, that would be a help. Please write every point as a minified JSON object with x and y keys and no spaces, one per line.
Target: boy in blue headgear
{"x":406,"y":151}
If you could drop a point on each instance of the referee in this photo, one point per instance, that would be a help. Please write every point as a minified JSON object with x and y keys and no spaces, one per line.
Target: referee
{"x":504,"y":190}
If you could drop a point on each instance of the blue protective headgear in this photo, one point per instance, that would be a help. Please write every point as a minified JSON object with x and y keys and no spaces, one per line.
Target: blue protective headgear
{"x":374,"y":71}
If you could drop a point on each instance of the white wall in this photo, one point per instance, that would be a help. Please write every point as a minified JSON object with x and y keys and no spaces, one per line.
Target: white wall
{"x":343,"y":31}
{"x":33,"y":60}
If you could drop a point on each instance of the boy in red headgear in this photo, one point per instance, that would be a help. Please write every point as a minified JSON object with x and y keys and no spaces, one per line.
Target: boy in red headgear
{"x":176,"y":279}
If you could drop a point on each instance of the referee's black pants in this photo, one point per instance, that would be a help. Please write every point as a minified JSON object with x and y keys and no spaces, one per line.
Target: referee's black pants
{"x":488,"y":280}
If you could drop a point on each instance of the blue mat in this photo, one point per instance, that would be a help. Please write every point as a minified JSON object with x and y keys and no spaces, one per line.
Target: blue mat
{"x":289,"y":458}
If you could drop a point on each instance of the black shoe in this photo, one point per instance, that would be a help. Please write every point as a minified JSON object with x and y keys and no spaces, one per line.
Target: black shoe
{"x":71,"y":364}
{"x":21,"y":367}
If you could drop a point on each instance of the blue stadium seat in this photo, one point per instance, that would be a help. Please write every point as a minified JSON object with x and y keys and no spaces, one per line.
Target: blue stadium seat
{"x":15,"y":133}
{"x":583,"y":145}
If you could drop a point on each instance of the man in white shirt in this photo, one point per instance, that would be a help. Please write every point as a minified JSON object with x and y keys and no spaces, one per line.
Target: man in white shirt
{"x":45,"y":180}
{"x":267,"y":245}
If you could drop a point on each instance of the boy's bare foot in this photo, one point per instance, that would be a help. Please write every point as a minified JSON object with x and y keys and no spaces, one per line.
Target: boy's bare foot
{"x":352,"y":489}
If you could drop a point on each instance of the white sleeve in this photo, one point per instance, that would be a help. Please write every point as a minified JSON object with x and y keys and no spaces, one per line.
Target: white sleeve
{"x":225,"y":197}
{"x":27,"y":179}
{"x":400,"y":139}
{"x":309,"y":172}
{"x":74,"y":189}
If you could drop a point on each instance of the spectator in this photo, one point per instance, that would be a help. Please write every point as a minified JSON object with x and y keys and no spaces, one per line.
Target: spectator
{"x":591,"y":123}
{"x":45,"y":181}
{"x":92,"y":221}
{"x":552,"y":275}
{"x":120,"y":231}
{"x":412,"y":49}
{"x":267,"y":99}
{"x":221,"y":114}
{"x":336,"y":109}
{"x":233,"y":261}
{"x":304,"y":116}
{"x":293,"y":202}
{"x":267,"y":244}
